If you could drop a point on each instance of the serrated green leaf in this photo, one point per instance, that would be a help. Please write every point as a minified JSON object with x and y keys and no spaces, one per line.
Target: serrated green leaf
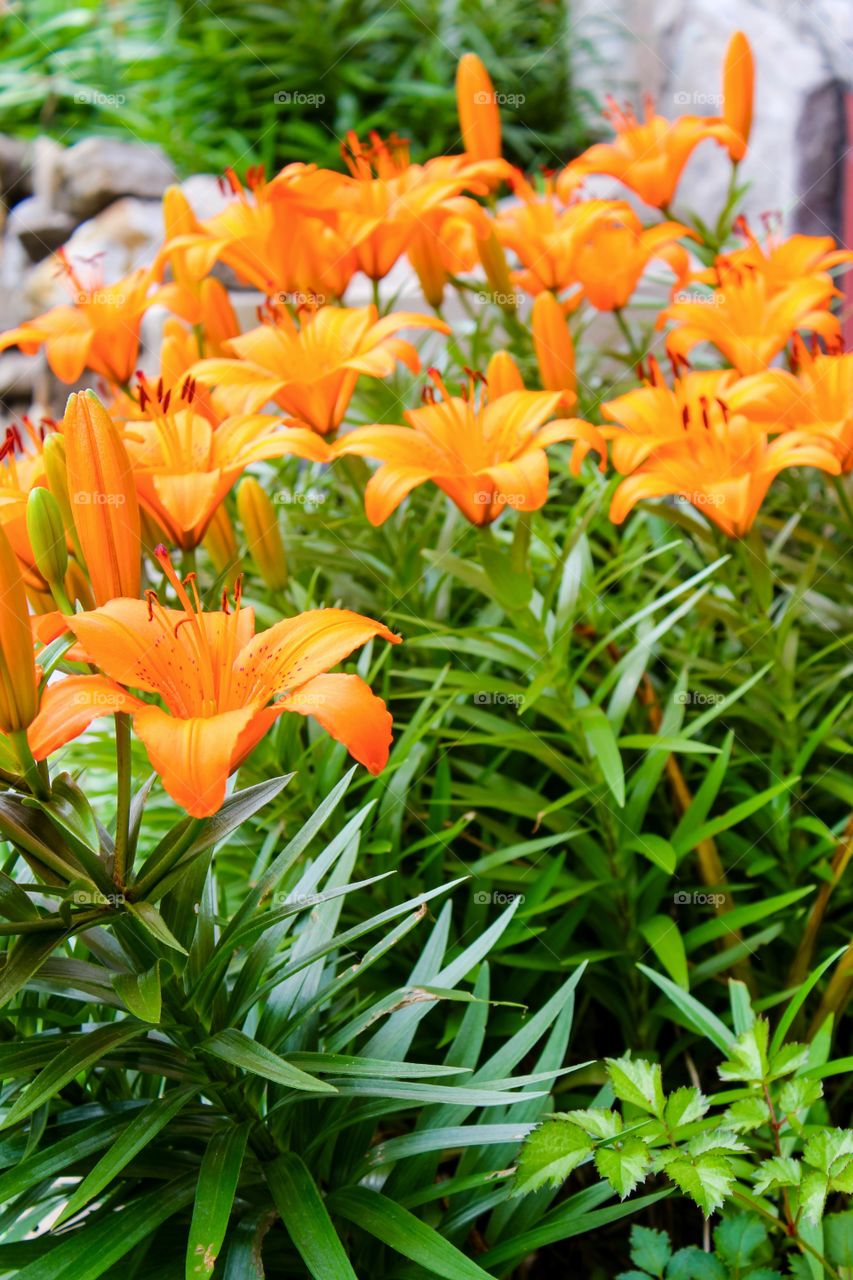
{"x":636,"y":1081}
{"x":550,"y":1154}
{"x":624,"y":1165}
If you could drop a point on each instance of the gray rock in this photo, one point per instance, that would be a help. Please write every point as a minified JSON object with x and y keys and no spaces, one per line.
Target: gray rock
{"x":97,"y":171}
{"x":40,"y":229}
{"x":15,"y":169}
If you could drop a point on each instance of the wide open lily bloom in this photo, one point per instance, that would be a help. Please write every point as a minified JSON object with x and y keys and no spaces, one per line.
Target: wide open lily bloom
{"x":387,"y":199}
{"x":649,"y":155}
{"x":99,"y":332}
{"x":310,"y":368}
{"x":655,"y":414}
{"x":723,"y":465}
{"x":486,"y":451}
{"x":748,"y":321}
{"x":184,"y":465}
{"x":279,"y":236}
{"x":817,"y":402}
{"x":223,"y":687}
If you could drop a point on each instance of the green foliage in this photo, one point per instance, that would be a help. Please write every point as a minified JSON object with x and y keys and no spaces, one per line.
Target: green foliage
{"x":237,"y":83}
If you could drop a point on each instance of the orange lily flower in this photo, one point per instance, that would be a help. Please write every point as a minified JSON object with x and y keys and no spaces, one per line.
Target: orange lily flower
{"x":818,"y":401}
{"x":445,"y":243}
{"x":278,"y":235}
{"x":748,"y":321}
{"x":616,"y":251}
{"x":223,"y":686}
{"x":738,"y":86}
{"x":184,"y":465}
{"x":722,"y":465}
{"x":100,"y":331}
{"x":310,"y":369}
{"x":476,"y":105}
{"x":22,"y":469}
{"x":781,"y":261}
{"x":648,"y":156}
{"x":485,"y":453}
{"x":387,"y":199}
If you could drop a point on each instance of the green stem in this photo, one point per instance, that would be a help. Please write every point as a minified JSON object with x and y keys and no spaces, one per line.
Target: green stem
{"x":188,"y":561}
{"x":35,"y":779}
{"x":521,"y":541}
{"x":843,"y":498}
{"x":123,"y":787}
{"x":634,"y":352}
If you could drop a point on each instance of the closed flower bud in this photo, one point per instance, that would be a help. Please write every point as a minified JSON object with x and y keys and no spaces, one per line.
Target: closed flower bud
{"x":220,"y":544}
{"x":555,"y":352}
{"x":263,"y":536}
{"x":738,"y":86}
{"x":18,"y":685}
{"x":476,"y":104}
{"x":103,"y":498}
{"x":493,"y":261}
{"x":47,"y":536}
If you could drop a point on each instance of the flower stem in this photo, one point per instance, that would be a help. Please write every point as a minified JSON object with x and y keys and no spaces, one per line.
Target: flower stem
{"x":123,"y":786}
{"x":35,"y":779}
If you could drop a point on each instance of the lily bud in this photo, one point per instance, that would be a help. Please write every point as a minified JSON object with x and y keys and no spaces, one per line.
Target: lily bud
{"x":56,"y":470}
{"x":262,"y":533}
{"x":738,"y":86}
{"x":47,"y":536}
{"x":502,"y":375}
{"x":103,"y":498}
{"x":479,"y":118}
{"x":555,"y":352}
{"x":492,"y":257}
{"x":18,"y":684}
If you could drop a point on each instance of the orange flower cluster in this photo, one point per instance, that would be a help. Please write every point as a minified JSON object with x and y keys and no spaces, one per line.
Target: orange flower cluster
{"x":83,"y":502}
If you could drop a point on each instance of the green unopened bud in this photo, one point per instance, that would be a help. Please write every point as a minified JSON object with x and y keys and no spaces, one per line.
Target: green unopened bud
{"x":56,"y":471}
{"x":263,"y":536}
{"x":47,"y":536}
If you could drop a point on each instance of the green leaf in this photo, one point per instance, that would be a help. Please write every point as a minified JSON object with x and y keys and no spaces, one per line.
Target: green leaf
{"x":778,"y":1171}
{"x":656,"y":849}
{"x":140,"y":992}
{"x":550,"y":1154}
{"x":601,"y":741}
{"x":693,"y":1263}
{"x":738,"y":1238}
{"x":403,"y":1232}
{"x":685,"y":1106}
{"x":697,"y":1016}
{"x":636,"y":1081}
{"x":141,"y":1130}
{"x":747,"y":1113}
{"x":624,"y":1165}
{"x":663,"y":936}
{"x":81,"y":1054}
{"x":26,"y":958}
{"x":214,"y":1197}
{"x":650,"y":1249}
{"x":306,"y":1218}
{"x":240,"y":1050}
{"x":708,"y":1180}
{"x":838,"y":1235}
{"x":151,"y":920}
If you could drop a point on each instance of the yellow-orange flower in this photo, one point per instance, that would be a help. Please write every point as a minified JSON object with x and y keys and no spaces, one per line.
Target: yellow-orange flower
{"x":747,"y":320}
{"x":781,"y":261}
{"x":99,"y":332}
{"x":22,"y":469}
{"x":649,"y":155}
{"x":723,"y":465}
{"x":615,"y":252}
{"x":387,"y":199}
{"x":476,"y":105}
{"x":555,"y":351}
{"x":485,"y":452}
{"x":184,"y":465}
{"x":310,"y":369}
{"x":18,"y":685}
{"x":223,"y":686}
{"x":279,"y":236}
{"x":546,"y":236}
